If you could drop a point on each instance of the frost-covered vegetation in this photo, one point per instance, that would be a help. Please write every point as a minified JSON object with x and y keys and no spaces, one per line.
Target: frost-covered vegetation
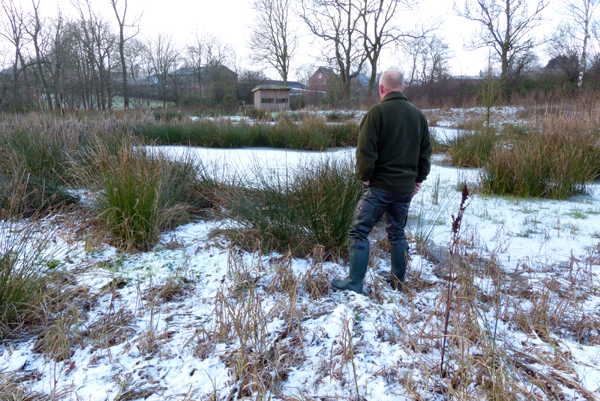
{"x":132,"y":271}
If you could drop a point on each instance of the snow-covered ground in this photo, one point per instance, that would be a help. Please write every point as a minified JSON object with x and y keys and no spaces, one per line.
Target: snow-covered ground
{"x":184,"y":346}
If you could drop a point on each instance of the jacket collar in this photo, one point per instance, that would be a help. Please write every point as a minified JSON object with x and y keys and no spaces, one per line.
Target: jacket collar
{"x":394,"y":95}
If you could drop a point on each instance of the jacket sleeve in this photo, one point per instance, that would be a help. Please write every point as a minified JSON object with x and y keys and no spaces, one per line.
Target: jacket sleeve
{"x":424,"y":154}
{"x":366,"y":149}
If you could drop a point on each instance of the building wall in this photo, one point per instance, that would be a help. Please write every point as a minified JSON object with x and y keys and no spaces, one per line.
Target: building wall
{"x":318,"y":81}
{"x":272,"y":99}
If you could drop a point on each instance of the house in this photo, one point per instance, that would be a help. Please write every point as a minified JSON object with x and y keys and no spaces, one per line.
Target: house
{"x":199,"y":78}
{"x":362,"y":81}
{"x":321,"y":80}
{"x":272,"y":98}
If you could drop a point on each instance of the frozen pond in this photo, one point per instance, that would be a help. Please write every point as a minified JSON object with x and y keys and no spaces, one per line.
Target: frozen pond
{"x":243,"y":164}
{"x":445,"y":134}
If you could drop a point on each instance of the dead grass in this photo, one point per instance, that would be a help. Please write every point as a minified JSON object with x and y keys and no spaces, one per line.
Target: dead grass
{"x":13,"y":387}
{"x":259,"y":359}
{"x":483,"y":360}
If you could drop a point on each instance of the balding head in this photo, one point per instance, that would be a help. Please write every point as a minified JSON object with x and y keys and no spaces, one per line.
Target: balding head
{"x":391,"y":81}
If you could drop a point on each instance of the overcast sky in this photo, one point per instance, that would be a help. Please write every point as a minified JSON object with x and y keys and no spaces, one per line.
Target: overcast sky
{"x":231,"y":21}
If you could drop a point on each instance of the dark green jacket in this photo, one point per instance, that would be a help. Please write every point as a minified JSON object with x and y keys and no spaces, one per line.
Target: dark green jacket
{"x":393,"y":149}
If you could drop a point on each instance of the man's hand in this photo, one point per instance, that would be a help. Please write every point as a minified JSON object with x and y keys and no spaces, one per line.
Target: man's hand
{"x":417,"y":188}
{"x":367,"y":183}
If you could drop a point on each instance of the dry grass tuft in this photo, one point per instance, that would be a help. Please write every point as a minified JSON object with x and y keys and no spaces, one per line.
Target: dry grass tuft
{"x":315,"y":281}
{"x":13,"y":387}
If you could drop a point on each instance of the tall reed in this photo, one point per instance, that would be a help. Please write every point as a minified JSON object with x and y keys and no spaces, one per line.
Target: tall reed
{"x":310,"y":134}
{"x":33,"y":173}
{"x":473,"y":149}
{"x":555,"y":163}
{"x":36,"y":152}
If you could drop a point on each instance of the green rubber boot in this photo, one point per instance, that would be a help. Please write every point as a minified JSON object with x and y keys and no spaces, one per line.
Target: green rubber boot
{"x":359,"y":261}
{"x":398,"y":255}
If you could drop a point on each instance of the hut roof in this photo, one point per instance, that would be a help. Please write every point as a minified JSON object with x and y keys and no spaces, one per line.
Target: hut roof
{"x":272,"y":87}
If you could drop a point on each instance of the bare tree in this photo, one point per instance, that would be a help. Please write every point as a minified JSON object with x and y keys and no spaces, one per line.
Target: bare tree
{"x":196,"y":59}
{"x":338,"y":24}
{"x":304,"y":72}
{"x":134,"y":54}
{"x":427,"y":59}
{"x":563,"y":50}
{"x":163,"y":61}
{"x":413,"y":52}
{"x":99,"y":43}
{"x":506,"y":25}
{"x":34,"y":28}
{"x":14,"y":30}
{"x":218,"y":52}
{"x":582,"y":15}
{"x":121,"y":16}
{"x":205,"y":55}
{"x":438,"y":53}
{"x":378,"y":30}
{"x":272,"y":41}
{"x":57,"y":57}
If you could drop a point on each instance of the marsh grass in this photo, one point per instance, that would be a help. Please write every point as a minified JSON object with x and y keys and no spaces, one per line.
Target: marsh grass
{"x":145,"y":193}
{"x":556,"y":163}
{"x":36,"y":152}
{"x":25,"y":287}
{"x":312,"y":208}
{"x":553,"y":156}
{"x":33,"y":172}
{"x":484,"y":360}
{"x":309,"y":134}
{"x":473,"y":149}
{"x":13,"y":387}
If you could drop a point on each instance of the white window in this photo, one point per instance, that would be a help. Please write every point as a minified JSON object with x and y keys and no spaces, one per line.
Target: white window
{"x":320,"y":75}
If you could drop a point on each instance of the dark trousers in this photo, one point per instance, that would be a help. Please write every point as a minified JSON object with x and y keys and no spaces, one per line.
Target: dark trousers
{"x":373,"y":203}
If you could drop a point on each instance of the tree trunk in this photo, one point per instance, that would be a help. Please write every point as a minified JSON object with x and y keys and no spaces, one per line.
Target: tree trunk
{"x":583,"y":63}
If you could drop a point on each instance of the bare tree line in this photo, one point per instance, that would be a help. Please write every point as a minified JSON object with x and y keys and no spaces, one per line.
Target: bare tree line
{"x":85,"y":61}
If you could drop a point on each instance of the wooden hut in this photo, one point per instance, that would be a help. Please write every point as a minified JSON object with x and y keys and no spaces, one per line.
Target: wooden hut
{"x":272,"y":98}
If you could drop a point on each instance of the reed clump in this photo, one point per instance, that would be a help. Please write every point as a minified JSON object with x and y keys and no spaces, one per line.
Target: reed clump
{"x":36,"y":152}
{"x":312,"y":208}
{"x":556,"y":161}
{"x":143,"y":192}
{"x":473,"y":148}
{"x":33,"y":171}
{"x":25,"y":284}
{"x":555,"y":155}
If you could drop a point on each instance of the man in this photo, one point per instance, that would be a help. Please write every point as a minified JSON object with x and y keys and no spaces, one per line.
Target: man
{"x":392,"y":160}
